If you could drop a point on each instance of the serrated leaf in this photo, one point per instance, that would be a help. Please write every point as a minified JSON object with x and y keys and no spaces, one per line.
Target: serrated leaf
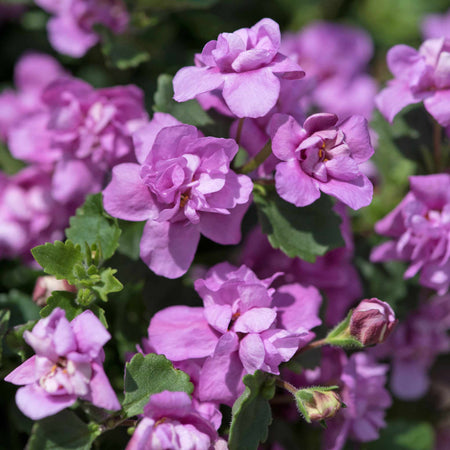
{"x":59,"y":259}
{"x":108,"y":283}
{"x":305,"y":232}
{"x":64,"y":430}
{"x":92,"y":225}
{"x":147,"y":375}
{"x":189,"y":112}
{"x":64,"y":300}
{"x":403,"y":435}
{"x":251,"y":413}
{"x":4,"y":321}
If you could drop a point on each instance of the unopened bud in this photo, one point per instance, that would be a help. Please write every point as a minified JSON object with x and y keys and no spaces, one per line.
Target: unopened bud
{"x":46,"y":285}
{"x":372,"y":322}
{"x":318,"y":403}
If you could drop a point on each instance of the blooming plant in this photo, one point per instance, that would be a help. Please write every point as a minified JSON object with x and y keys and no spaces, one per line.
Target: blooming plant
{"x":205,"y":268}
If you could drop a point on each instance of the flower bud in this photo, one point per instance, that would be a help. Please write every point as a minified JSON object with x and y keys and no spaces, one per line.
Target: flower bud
{"x":372,"y":321}
{"x":318,"y":403}
{"x":46,"y":285}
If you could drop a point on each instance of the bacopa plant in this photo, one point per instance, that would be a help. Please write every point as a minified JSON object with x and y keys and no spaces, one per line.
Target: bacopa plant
{"x":260,"y":261}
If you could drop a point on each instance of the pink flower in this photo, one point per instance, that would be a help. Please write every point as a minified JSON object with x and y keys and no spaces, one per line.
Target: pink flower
{"x":33,"y":72}
{"x":183,"y":187}
{"x":244,"y":326}
{"x":171,"y":422}
{"x":68,"y":365}
{"x":29,"y":216}
{"x":71,"y":30}
{"x":422,"y":75}
{"x":420,"y":226}
{"x":436,"y":25}
{"x":372,"y":321}
{"x":46,"y":285}
{"x":322,"y":156}
{"x":245,"y":66}
{"x":336,"y":81}
{"x":83,"y":132}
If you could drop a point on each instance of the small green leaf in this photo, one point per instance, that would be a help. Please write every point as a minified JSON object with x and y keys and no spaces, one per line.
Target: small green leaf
{"x":189,"y":112}
{"x":340,"y":335}
{"x":402,"y":435}
{"x":14,"y":339}
{"x":4,"y":321}
{"x":107,"y":284}
{"x":251,"y":412}
{"x":64,"y":300}
{"x":64,"y":430}
{"x":59,"y":259}
{"x":147,"y":375}
{"x":305,"y":232}
{"x":92,"y":225}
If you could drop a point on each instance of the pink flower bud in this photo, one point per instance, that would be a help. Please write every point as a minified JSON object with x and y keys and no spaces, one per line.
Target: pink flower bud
{"x":372,"y":321}
{"x":46,"y":285}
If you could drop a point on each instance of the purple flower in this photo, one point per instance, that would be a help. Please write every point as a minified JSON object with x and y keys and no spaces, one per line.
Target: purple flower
{"x":422,"y":75}
{"x":245,"y":66}
{"x":171,"y":422}
{"x":29,"y":215}
{"x":33,"y":72}
{"x":336,"y":81}
{"x":322,"y":156}
{"x":341,"y":286}
{"x":183,"y":187}
{"x":420,"y":226}
{"x":436,"y":26}
{"x":68,"y":365}
{"x":83,"y":132}
{"x":414,"y":346}
{"x":71,"y":30}
{"x":372,"y":321}
{"x":244,"y":326}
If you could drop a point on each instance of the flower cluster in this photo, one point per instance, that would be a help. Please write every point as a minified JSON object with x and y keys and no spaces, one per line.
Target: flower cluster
{"x":68,"y":365}
{"x":420,"y":227}
{"x":183,"y":187}
{"x":244,"y":326}
{"x":71,"y":29}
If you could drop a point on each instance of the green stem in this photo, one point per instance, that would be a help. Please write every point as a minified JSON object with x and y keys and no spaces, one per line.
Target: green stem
{"x":312,"y":345}
{"x":285,"y":385}
{"x":257,"y":160}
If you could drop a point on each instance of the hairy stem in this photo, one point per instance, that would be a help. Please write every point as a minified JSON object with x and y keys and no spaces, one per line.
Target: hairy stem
{"x":257,"y":160}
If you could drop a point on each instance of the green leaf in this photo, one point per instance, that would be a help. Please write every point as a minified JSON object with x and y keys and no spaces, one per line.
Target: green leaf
{"x":175,"y":5}
{"x":108,"y":283}
{"x":92,"y":225}
{"x":20,"y":305}
{"x":59,"y":259}
{"x":64,"y":300}
{"x":189,"y":112}
{"x":130,"y":239}
{"x":305,"y":232}
{"x":147,"y":375}
{"x":4,"y":321}
{"x":251,"y":412}
{"x":14,"y":339}
{"x":8,"y":164}
{"x":402,"y":435}
{"x":64,"y":430}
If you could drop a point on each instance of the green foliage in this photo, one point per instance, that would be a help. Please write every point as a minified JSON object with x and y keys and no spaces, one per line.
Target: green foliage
{"x":4,"y":321}
{"x":8,"y":164}
{"x":147,"y":375}
{"x":20,"y":305}
{"x":107,"y":284}
{"x":62,"y":431}
{"x":340,"y":335}
{"x":189,"y":112}
{"x":251,"y":412}
{"x":174,"y":5}
{"x":59,"y":259}
{"x":64,"y":300}
{"x":130,"y":238}
{"x":14,"y":339}
{"x":403,"y":435}
{"x":305,"y":232}
{"x":92,"y":225}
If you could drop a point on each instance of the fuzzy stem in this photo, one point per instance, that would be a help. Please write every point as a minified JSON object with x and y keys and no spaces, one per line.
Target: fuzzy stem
{"x":257,"y":160}
{"x":312,"y":345}
{"x":286,"y":385}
